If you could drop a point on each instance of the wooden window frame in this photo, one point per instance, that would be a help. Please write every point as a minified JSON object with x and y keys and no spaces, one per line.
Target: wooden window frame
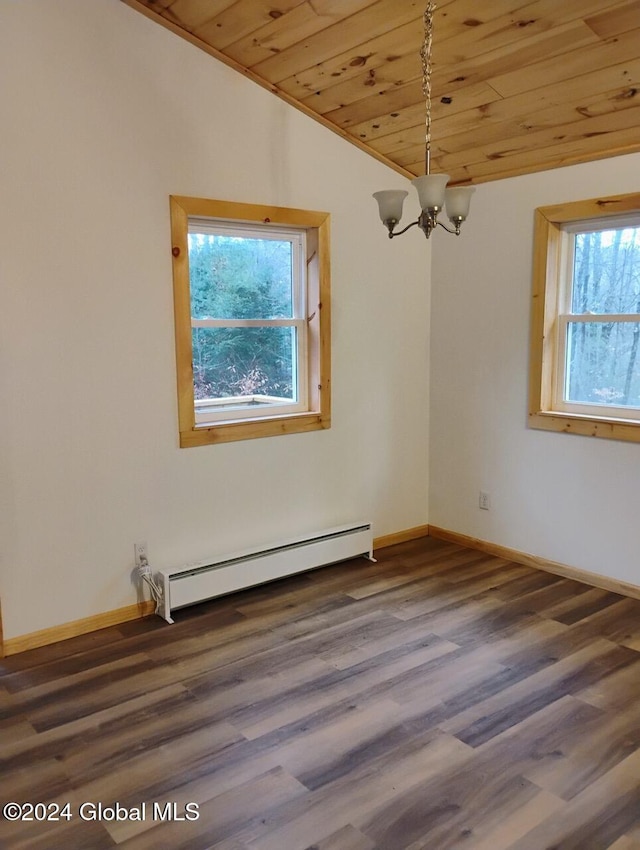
{"x":549,"y":269}
{"x":316,"y":227}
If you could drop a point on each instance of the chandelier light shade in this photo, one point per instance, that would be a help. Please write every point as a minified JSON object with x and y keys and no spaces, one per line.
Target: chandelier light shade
{"x":430,"y":189}
{"x":390,"y":202}
{"x":456,"y":201}
{"x":433,"y":194}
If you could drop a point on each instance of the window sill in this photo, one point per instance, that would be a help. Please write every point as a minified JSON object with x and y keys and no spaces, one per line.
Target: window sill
{"x":586,"y":426}
{"x":267,"y":426}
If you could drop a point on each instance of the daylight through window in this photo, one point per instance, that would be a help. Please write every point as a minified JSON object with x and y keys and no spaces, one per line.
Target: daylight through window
{"x":585,"y":368}
{"x":248,"y":309}
{"x":599,"y":322}
{"x":255,"y":353}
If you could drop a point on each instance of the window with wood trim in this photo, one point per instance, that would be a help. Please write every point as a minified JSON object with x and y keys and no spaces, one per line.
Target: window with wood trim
{"x":585,"y":338}
{"x":252,"y":320}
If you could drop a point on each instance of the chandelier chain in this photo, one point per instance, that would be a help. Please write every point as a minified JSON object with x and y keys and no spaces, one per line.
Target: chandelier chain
{"x":425,"y":55}
{"x":433,"y":193}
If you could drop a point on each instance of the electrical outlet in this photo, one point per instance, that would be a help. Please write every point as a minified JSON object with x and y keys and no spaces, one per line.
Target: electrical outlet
{"x":484,"y":501}
{"x":140,"y":550}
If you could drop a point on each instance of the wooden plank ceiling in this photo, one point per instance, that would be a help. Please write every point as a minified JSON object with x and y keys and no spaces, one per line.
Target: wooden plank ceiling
{"x":517,"y":86}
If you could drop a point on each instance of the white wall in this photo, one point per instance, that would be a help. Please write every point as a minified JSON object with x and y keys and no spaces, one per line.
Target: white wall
{"x":104,"y":115}
{"x":563,"y":497}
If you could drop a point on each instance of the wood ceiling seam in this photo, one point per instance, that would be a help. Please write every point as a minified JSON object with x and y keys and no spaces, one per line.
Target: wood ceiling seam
{"x":371,"y":83}
{"x":479,"y":157}
{"x":323,"y":44}
{"x":346,"y":65}
{"x":575,"y":63}
{"x":488,"y":66}
{"x":583,"y":129}
{"x":442,"y":67}
{"x":533,"y":18}
{"x":470,"y":101}
{"x":288,"y":30}
{"x":619,"y":142}
{"x":622,"y":77}
{"x":190,"y":14}
{"x":364,"y":109}
{"x":538,"y":41}
{"x":609,"y":23}
{"x":238,"y":20}
{"x":533,"y":123}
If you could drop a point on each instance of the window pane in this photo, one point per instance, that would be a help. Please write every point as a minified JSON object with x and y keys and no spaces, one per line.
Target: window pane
{"x":606,"y":276}
{"x":603,"y":363}
{"x":234,"y":362}
{"x":237,"y":277}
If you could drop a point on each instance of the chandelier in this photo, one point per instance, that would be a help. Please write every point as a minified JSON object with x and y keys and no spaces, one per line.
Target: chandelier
{"x":431,"y":188}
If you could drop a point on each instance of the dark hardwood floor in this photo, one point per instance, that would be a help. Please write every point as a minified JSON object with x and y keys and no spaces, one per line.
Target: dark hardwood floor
{"x":438,"y":699}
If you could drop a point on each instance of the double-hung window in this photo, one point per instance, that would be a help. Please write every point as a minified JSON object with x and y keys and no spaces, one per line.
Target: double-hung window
{"x":252,"y":313}
{"x":585,"y":359}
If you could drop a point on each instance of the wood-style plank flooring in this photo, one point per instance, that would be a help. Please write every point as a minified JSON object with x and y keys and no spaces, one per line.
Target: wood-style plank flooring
{"x":440,"y":698}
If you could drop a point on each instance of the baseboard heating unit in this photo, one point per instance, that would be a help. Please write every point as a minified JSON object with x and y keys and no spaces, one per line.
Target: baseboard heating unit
{"x":186,"y":585}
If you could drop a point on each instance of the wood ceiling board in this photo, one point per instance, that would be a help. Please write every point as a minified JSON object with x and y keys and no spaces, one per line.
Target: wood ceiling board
{"x":466,"y":102}
{"x":242,"y":18}
{"x":570,"y":148}
{"x":598,"y":56}
{"x":615,"y":21}
{"x":554,"y":118}
{"x":454,"y":133}
{"x":389,"y":124}
{"x":506,"y":30}
{"x":275,"y":36}
{"x":490,"y":67}
{"x":575,"y":92}
{"x":371,"y":54}
{"x":451,"y":53}
{"x":281,"y":33}
{"x":513,"y":69}
{"x":462,"y":16}
{"x":399,"y":142}
{"x":577,"y":131}
{"x":374,"y":21}
{"x":335,"y":101}
{"x":566,"y":153}
{"x":368,"y":108}
{"x":412,"y":158}
{"x":525,"y":22}
{"x":374,"y":53}
{"x":370,"y":82}
{"x":190,"y":14}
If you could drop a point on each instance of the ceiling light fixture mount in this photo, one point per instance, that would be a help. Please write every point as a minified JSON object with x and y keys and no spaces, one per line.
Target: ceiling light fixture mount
{"x":432,"y":190}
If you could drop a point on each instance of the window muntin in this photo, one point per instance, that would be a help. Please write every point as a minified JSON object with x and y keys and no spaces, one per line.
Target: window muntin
{"x":284,"y":319}
{"x":585,"y":332}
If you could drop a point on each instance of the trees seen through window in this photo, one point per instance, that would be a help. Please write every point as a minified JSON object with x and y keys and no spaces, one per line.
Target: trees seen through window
{"x":585,"y":321}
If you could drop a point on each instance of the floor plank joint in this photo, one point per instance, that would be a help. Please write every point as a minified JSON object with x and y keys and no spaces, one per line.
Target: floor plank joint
{"x":440,"y":698}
